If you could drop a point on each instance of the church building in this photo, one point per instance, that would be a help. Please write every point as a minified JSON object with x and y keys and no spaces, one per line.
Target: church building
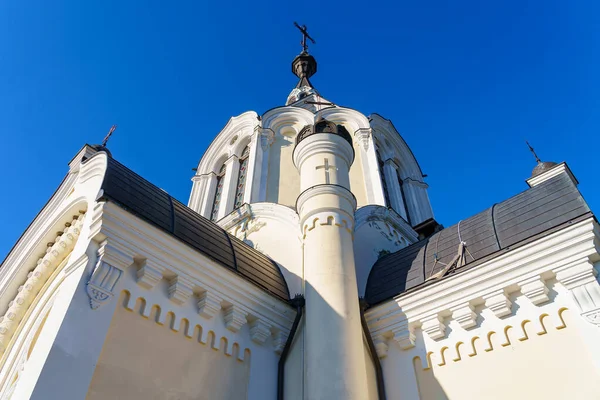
{"x":306,"y":265}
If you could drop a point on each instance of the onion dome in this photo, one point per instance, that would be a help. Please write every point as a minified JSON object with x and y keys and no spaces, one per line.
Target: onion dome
{"x":542,"y":167}
{"x":100,"y":147}
{"x":304,"y":66}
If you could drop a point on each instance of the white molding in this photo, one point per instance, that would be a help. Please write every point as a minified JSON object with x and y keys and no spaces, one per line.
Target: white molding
{"x":551,"y":173}
{"x":214,"y":283}
{"x":260,"y":331}
{"x":465,"y":315}
{"x":499,"y":303}
{"x":379,"y":213}
{"x":180,"y":289}
{"x":536,"y":290}
{"x":209,"y":304}
{"x":148,"y":276}
{"x":558,"y":254}
{"x":235,"y":318}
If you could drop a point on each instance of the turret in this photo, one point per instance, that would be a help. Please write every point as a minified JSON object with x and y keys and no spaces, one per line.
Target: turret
{"x":334,"y":352}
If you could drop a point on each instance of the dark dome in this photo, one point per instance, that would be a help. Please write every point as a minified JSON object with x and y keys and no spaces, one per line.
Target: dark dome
{"x":542,"y":167}
{"x":99,"y":147}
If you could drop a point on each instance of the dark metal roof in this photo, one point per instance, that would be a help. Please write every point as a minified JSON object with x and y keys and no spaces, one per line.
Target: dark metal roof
{"x":155,"y":206}
{"x":533,"y":213}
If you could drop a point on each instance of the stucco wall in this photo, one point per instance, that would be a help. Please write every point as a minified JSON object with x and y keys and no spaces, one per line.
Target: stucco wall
{"x":551,"y":366}
{"x":144,"y":360}
{"x":294,"y":367}
{"x":523,"y":358}
{"x":357,"y":178}
{"x":283,"y":181}
{"x":371,"y":376}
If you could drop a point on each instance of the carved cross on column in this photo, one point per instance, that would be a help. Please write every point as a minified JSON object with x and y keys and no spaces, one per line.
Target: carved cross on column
{"x":326,"y":167}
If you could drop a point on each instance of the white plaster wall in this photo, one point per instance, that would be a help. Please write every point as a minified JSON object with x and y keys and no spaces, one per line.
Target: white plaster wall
{"x":145,"y":360}
{"x":274,"y":230}
{"x":370,"y":372}
{"x":530,"y":361}
{"x":358,"y":177}
{"x":283,"y":182}
{"x":294,"y":367}
{"x":371,"y":240}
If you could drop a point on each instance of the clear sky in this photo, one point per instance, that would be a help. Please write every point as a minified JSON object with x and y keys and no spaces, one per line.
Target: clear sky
{"x":465,"y":83}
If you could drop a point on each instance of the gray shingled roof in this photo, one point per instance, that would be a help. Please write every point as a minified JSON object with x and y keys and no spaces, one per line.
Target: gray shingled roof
{"x":155,"y":206}
{"x":537,"y":211}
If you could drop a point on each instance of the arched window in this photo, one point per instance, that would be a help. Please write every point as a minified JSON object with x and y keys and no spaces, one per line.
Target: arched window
{"x":241,"y":182}
{"x":386,"y":192}
{"x":218,"y":193}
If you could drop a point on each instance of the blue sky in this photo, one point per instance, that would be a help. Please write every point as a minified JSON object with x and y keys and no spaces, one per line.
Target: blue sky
{"x":465,"y":83}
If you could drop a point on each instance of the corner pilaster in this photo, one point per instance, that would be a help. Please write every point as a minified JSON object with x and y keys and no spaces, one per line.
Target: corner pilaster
{"x":580,"y":279}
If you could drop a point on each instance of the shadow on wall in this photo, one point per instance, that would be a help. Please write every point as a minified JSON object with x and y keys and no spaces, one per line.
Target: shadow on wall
{"x":428,"y":385}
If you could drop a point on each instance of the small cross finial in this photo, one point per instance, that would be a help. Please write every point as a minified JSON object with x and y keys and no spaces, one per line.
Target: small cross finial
{"x":533,"y":152}
{"x":108,"y":135}
{"x":304,"y":36}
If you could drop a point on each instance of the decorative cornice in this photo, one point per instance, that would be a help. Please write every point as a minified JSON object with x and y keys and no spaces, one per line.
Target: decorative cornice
{"x":482,"y":341}
{"x":579,"y":278}
{"x":465,"y":315}
{"x":171,"y":319}
{"x":279,"y":340}
{"x":235,"y":318}
{"x":56,"y":253}
{"x":260,"y":331}
{"x":110,"y":265}
{"x":180,"y":289}
{"x":209,"y":304}
{"x":266,"y":135}
{"x":498,"y":302}
{"x":363,"y":137}
{"x":561,"y":253}
{"x":148,"y":276}
{"x":216,"y":285}
{"x":434,"y":327}
{"x":370,"y":213}
{"x":535,"y":289}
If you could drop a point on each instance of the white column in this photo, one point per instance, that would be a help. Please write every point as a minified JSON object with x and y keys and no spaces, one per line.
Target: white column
{"x":370,"y":167}
{"x":264,"y":140}
{"x":198,"y":190}
{"x":334,"y":352}
{"x":391,"y":178}
{"x":232,"y":169}
{"x":65,"y":358}
{"x":208,"y":196}
{"x":252,"y":166}
{"x":417,"y":200}
{"x":580,"y":278}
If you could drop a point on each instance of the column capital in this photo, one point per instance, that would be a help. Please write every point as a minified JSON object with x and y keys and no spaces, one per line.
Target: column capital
{"x":362,"y":136}
{"x":266,"y":135}
{"x":390,"y":162}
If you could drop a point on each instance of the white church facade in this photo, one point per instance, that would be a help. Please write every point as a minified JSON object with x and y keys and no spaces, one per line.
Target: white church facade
{"x":307,"y":265}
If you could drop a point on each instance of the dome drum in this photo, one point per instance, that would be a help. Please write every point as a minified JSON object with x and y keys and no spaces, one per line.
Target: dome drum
{"x":324,"y":126}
